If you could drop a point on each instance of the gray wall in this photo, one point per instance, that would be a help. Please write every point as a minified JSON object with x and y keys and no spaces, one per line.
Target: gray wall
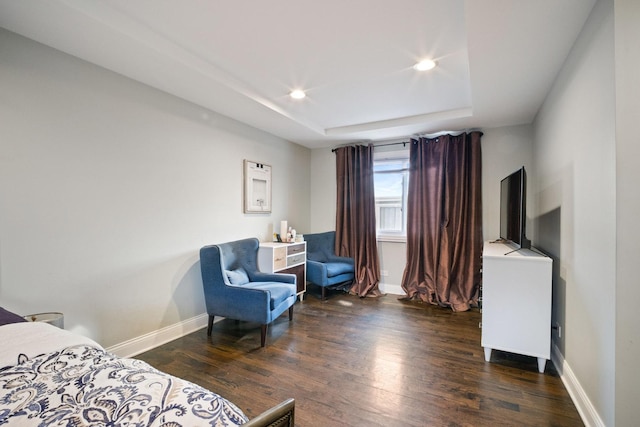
{"x":323,"y":190}
{"x":627,"y":336}
{"x":504,"y":150}
{"x":575,"y":176}
{"x":108,"y":189}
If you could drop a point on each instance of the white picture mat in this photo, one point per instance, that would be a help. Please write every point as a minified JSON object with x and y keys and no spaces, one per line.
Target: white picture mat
{"x":257,"y":187}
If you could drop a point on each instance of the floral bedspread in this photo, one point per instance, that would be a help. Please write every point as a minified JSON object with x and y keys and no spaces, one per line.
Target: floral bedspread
{"x":85,"y":386}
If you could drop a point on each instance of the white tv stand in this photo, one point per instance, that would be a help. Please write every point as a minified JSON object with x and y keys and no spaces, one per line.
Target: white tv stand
{"x":516,"y":301}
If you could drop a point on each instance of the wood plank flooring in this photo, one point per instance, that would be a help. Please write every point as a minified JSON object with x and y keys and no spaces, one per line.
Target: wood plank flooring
{"x":370,"y":362}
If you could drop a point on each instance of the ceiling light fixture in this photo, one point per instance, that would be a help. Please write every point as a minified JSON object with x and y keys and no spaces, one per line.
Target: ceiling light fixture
{"x":297,"y":94}
{"x":424,"y":65}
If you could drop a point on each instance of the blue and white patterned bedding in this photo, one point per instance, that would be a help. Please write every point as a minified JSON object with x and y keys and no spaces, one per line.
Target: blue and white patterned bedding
{"x":83,"y":385}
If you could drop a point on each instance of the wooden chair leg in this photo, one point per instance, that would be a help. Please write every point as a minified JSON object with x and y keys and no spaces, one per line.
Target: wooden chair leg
{"x":323,"y":297}
{"x":290,"y":313}
{"x":263,"y":335}
{"x":210,"y":327}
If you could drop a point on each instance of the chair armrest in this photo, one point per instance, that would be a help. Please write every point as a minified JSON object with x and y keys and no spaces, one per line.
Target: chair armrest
{"x":242,"y":296}
{"x":240,"y":302}
{"x":336,"y":258}
{"x":317,"y":273}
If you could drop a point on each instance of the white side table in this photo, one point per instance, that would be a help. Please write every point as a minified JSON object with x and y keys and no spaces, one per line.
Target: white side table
{"x":276,"y":257}
{"x":53,"y":318}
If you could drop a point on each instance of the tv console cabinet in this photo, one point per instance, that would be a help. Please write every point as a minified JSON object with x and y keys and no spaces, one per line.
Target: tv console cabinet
{"x":516,"y":301}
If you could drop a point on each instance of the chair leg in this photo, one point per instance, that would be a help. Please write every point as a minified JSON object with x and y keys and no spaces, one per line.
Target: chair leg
{"x":263,"y":335}
{"x":290,"y":313}
{"x":210,"y":327}
{"x":323,"y":297}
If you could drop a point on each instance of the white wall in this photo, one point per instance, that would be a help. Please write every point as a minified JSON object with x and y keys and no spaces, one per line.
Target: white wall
{"x":108,"y":189}
{"x":504,"y":150}
{"x":575,"y":175}
{"x":323,"y":190}
{"x":627,"y":34}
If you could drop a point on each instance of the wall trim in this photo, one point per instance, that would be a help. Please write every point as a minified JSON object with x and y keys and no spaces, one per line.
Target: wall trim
{"x":389,"y":288}
{"x":154,"y":339}
{"x":585,"y":408}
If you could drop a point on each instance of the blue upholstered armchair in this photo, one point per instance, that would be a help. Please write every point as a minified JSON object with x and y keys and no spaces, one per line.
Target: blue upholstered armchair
{"x":324,"y":267}
{"x":234,"y":287}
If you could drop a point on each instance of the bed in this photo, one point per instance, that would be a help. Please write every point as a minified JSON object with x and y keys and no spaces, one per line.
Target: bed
{"x":53,"y":377}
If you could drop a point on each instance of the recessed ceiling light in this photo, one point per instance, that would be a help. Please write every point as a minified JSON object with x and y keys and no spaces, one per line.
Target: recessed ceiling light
{"x":297,"y":94}
{"x":424,"y":65}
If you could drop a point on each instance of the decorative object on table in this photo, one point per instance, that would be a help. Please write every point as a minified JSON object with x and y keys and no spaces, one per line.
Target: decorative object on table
{"x":257,"y":187}
{"x":287,"y":233}
{"x":52,"y":318}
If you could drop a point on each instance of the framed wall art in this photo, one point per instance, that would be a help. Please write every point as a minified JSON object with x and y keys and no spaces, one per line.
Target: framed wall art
{"x":257,"y":187}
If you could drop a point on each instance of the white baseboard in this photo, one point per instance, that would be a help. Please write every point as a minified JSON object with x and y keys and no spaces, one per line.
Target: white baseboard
{"x":585,"y":408}
{"x":154,"y":339}
{"x":389,"y":288}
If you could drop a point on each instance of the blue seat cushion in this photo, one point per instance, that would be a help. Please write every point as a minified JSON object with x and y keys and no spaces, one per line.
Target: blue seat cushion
{"x":279,"y":291}
{"x":337,"y":268}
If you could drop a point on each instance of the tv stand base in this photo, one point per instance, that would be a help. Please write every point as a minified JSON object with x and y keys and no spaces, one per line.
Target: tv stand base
{"x":542,"y":362}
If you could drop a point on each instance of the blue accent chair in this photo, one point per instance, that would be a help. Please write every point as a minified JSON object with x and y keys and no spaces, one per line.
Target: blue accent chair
{"x":234,"y":287}
{"x":324,"y":267}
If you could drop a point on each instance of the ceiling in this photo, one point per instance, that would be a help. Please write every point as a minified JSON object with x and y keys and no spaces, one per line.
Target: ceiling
{"x":496,"y":59}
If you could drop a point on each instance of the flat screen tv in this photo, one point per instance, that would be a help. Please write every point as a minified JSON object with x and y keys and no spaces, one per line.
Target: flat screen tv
{"x":513,"y":209}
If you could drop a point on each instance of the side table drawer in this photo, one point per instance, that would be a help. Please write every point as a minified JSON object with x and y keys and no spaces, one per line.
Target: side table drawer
{"x":279,"y":258}
{"x":295,"y":248}
{"x":296,"y":259}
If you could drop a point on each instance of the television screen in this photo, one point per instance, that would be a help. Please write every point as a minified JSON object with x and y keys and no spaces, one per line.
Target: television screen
{"x":513,"y":216}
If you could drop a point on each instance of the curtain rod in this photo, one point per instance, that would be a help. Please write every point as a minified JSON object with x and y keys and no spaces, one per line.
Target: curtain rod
{"x":420,"y":135}
{"x":333,"y":150}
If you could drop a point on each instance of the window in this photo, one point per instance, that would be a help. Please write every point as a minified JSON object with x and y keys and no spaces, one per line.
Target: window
{"x":391,"y":181}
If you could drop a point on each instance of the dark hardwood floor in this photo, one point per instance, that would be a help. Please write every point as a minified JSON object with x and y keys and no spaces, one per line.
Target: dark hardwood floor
{"x":370,"y":362}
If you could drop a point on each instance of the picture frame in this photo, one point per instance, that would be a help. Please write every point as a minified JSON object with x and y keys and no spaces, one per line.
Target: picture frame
{"x":257,"y":187}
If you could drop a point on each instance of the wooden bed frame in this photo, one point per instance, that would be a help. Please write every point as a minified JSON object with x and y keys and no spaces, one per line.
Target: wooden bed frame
{"x":281,"y":415}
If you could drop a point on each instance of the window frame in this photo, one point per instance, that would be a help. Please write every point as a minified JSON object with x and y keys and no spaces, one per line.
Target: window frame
{"x":391,"y":155}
